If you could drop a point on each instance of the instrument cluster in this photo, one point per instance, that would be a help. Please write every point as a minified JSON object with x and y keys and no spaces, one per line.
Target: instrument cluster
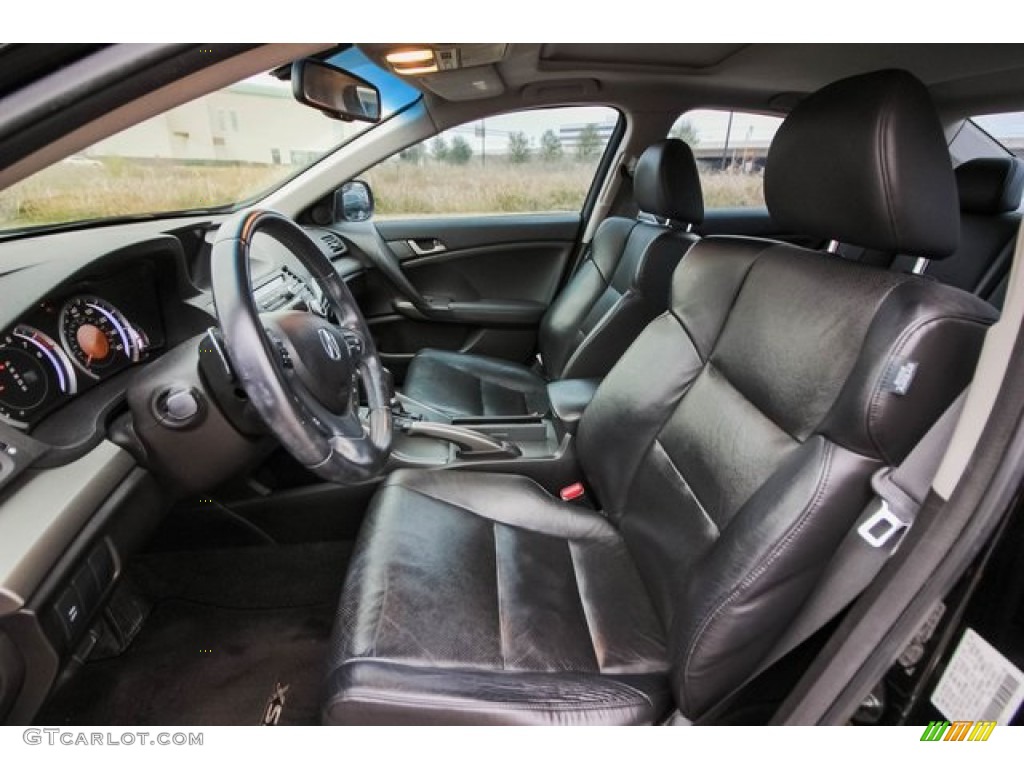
{"x":68,"y":345}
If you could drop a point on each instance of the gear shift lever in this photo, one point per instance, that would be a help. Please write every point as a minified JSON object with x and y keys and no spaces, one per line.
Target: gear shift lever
{"x":401,"y":416}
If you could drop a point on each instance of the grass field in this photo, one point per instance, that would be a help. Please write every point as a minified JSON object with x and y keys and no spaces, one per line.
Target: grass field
{"x":69,"y":192}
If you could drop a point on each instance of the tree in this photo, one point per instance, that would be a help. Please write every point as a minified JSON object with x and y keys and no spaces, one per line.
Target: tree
{"x":460,"y":152}
{"x":439,"y":149}
{"x":588,"y":145}
{"x":550,"y":147}
{"x":683,"y":129}
{"x":518,"y":147}
{"x":412,"y":155}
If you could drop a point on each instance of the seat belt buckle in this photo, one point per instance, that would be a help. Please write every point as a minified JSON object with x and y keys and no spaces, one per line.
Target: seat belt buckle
{"x":878,"y":529}
{"x":572,"y":492}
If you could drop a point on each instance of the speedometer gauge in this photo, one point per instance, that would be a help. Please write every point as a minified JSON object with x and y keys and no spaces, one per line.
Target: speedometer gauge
{"x":34,"y":371}
{"x":97,"y":337}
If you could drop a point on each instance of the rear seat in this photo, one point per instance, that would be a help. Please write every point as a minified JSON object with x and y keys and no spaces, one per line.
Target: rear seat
{"x":990,"y":194}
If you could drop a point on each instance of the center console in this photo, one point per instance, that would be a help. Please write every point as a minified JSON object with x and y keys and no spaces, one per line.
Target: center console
{"x":538,"y":446}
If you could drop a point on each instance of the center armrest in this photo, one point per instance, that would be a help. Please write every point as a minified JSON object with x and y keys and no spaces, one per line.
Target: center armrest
{"x":569,"y":398}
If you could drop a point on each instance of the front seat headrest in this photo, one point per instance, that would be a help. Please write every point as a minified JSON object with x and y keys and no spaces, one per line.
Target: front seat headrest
{"x":864,"y":161}
{"x":990,"y":185}
{"x":666,"y":184}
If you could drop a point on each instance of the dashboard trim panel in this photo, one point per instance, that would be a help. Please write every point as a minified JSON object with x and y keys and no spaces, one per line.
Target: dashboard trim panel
{"x":42,"y":515}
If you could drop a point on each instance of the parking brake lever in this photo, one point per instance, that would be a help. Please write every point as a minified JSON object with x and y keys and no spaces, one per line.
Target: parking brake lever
{"x":471,"y":444}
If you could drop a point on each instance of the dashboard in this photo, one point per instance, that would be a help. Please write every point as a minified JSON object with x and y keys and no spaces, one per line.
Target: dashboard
{"x":70,"y":341}
{"x":84,"y":311}
{"x":94,"y":324}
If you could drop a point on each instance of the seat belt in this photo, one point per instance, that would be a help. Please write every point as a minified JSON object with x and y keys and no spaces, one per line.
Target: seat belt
{"x":877,"y":533}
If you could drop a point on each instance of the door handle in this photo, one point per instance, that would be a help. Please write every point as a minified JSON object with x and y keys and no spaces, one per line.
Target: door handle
{"x":433,"y":245}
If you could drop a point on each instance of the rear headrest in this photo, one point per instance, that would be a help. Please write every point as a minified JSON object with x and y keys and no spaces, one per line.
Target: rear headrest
{"x":665,"y":182}
{"x":864,"y":161}
{"x":990,"y":185}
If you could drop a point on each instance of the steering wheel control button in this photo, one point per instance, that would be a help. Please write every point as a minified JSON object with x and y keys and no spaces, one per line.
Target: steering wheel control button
{"x":178,"y":407}
{"x":354,"y":342}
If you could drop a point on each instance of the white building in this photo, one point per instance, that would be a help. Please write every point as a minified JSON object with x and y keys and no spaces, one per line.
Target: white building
{"x":248,"y":122}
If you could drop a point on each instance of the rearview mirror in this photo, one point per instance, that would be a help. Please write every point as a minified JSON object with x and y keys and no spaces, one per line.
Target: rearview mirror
{"x":335,"y":92}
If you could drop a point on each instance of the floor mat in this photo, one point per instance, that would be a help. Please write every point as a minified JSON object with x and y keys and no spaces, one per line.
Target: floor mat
{"x":222,"y":641}
{"x":246,"y":577}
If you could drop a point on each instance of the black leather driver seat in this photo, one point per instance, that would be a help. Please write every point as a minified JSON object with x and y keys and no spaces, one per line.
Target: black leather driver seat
{"x":730,"y":449}
{"x":621,"y":286}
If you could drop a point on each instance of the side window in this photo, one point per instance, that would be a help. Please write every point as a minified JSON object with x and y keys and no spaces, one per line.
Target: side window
{"x":730,"y":148}
{"x":535,"y":161}
{"x":1006,"y":128}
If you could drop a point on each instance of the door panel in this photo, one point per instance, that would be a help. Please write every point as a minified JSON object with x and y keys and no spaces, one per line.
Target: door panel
{"x":488,"y":280}
{"x":468,"y":232}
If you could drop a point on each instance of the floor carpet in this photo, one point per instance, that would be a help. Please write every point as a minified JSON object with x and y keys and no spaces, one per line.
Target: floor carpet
{"x":229,"y":631}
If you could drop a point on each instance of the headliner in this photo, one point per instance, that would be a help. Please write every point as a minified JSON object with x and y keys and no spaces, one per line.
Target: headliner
{"x":963,"y":78}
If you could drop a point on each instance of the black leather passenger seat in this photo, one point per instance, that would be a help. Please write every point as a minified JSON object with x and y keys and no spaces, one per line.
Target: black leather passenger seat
{"x":730,"y":450}
{"x":621,"y":286}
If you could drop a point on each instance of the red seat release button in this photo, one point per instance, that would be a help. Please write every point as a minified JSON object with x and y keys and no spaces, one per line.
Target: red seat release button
{"x":572,"y":492}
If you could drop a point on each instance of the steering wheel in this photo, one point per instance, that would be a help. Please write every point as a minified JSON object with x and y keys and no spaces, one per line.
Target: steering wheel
{"x":301,"y":372}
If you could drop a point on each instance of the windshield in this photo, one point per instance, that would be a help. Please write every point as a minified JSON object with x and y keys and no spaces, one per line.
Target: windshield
{"x":228,"y":147}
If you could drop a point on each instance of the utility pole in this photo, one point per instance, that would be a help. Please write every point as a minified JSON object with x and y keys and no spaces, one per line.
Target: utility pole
{"x":725,"y":149}
{"x":481,"y":131}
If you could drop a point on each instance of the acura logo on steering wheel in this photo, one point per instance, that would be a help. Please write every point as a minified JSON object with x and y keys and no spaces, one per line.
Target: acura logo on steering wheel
{"x":330,"y":344}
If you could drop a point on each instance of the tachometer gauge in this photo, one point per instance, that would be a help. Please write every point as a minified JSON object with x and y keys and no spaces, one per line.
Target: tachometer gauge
{"x":33,"y":372}
{"x":97,"y":337}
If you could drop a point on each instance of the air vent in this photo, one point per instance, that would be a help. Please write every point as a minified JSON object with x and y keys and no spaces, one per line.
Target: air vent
{"x":334,"y":243}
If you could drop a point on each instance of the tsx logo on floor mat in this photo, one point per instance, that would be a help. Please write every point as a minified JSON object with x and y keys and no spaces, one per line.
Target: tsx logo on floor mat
{"x":275,"y":704}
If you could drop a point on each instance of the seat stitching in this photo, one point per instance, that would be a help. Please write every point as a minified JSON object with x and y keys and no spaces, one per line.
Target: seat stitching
{"x":483,"y":516}
{"x":671,"y":411}
{"x":732,"y":385}
{"x":732,"y":305}
{"x":686,"y":331}
{"x":380,"y":611}
{"x":606,"y":680}
{"x":497,"y":587}
{"x":625,"y":244}
{"x":583,"y":605}
{"x":777,"y":551}
{"x":867,"y":418}
{"x":637,"y":277}
{"x":591,"y":335}
{"x":478,"y":704}
{"x":660,"y":446}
